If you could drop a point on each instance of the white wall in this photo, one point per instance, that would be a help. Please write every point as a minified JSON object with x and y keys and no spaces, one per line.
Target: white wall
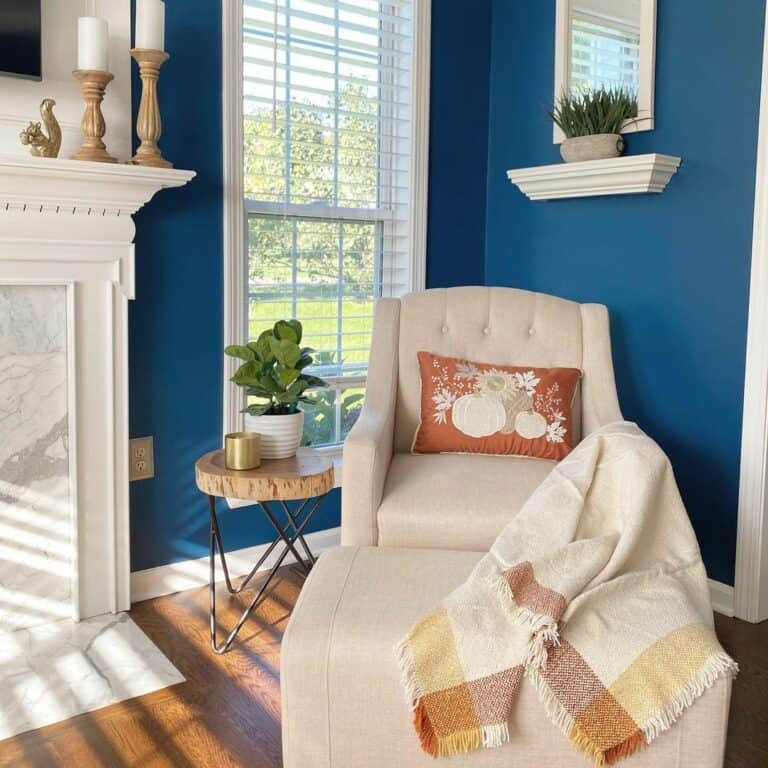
{"x":20,"y":99}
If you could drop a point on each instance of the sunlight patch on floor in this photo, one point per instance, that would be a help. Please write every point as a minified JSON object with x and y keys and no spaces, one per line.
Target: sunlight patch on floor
{"x":56,"y":670}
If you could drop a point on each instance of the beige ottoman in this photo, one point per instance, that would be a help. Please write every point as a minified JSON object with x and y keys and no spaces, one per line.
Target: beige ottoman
{"x":344,"y":707}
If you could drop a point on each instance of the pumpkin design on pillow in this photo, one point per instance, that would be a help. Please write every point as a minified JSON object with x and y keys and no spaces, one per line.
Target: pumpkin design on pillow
{"x":472,"y":407}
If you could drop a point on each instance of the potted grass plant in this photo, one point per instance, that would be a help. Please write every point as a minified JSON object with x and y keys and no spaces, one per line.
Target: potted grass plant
{"x":273,"y":376}
{"x":592,"y":121}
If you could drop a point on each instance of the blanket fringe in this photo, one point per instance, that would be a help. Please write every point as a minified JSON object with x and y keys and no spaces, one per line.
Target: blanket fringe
{"x":499,"y":586}
{"x":627,"y":748}
{"x":495,"y":735}
{"x":543,"y":627}
{"x":718,"y":665}
{"x":580,"y":740}
{"x":408,"y":676}
{"x":600,"y":757}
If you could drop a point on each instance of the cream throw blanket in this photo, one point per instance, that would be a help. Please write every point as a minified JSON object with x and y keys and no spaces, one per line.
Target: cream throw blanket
{"x":595,"y":593}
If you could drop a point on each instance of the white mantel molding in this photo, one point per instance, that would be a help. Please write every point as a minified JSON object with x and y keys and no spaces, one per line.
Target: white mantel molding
{"x":631,"y":175}
{"x":68,"y":222}
{"x":74,"y":186}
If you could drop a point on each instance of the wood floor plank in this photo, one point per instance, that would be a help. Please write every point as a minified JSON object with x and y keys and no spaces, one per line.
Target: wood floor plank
{"x":227,"y":712}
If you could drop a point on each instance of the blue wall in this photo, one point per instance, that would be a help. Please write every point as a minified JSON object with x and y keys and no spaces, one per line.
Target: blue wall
{"x":458,"y":142}
{"x":673,"y":269}
{"x":176,"y":319}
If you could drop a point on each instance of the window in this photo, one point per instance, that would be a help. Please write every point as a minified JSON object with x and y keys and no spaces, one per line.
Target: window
{"x":327,"y":153}
{"x":605,"y":52}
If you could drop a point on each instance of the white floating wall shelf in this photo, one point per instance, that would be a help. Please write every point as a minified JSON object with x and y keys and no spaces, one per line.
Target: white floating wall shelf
{"x":632,"y":175}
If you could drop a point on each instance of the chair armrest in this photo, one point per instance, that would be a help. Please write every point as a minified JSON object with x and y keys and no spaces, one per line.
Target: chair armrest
{"x":368,"y":447}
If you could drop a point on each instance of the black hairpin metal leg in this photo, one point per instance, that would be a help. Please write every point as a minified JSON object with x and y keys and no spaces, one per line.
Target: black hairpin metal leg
{"x":289,"y":546}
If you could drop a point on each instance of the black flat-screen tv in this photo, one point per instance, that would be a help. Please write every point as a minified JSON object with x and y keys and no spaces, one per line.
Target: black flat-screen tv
{"x":20,"y":45}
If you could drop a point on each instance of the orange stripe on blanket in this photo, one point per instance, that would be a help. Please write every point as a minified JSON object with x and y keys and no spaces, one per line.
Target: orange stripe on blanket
{"x":532,"y":595}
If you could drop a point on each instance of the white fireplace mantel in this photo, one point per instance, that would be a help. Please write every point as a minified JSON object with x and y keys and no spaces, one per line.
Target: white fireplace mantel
{"x":53,"y":186}
{"x":68,"y":223}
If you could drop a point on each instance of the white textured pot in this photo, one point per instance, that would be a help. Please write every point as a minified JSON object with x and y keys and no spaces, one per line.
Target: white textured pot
{"x":601,"y":146}
{"x":280,"y":435}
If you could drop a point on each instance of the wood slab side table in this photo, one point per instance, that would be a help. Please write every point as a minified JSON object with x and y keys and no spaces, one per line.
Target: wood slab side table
{"x":305,"y":478}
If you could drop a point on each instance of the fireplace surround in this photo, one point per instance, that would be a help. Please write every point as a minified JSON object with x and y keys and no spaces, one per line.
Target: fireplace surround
{"x":66,"y":276}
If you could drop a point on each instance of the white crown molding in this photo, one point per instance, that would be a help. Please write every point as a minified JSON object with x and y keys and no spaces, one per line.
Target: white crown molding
{"x":632,"y":175}
{"x":57,"y":186}
{"x":189,"y":574}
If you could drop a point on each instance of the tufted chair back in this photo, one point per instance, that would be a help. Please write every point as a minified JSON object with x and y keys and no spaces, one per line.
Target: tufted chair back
{"x":504,"y":326}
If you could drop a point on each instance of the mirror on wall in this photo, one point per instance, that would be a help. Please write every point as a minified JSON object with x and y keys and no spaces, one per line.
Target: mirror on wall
{"x":607,"y":43}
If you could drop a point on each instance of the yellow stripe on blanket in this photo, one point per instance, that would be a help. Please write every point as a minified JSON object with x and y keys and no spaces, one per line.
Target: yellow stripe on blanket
{"x":655,"y":676}
{"x":434,"y":653}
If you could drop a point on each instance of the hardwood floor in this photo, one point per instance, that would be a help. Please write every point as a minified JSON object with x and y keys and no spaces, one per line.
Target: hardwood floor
{"x":227,"y":713}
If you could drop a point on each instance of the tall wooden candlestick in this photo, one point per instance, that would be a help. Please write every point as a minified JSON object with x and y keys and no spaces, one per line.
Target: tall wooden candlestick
{"x":93,"y":84}
{"x":149,"y":126}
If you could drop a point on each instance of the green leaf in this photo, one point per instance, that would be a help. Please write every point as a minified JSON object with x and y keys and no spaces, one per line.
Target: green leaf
{"x":240,"y":352}
{"x":290,"y":330}
{"x":313,"y":381}
{"x":286,"y":376}
{"x":258,"y":391}
{"x":263,"y":347}
{"x":284,"y":330}
{"x":296,"y":325}
{"x":248,"y":374}
{"x":293,"y":393}
{"x":303,"y":362}
{"x":257,"y":410}
{"x":286,"y":352}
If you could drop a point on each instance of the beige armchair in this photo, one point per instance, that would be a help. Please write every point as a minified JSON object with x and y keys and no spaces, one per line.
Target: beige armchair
{"x":461,"y":502}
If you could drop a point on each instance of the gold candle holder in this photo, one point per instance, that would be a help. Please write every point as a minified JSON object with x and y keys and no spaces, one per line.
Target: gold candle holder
{"x":93,"y":84}
{"x":242,"y":450}
{"x":149,"y":126}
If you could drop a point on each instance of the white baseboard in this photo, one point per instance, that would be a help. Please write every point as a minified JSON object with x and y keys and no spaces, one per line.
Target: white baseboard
{"x":722,"y":597}
{"x":188,"y":574}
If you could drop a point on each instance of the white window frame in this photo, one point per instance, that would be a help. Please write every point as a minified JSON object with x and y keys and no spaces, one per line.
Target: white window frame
{"x":234,"y":239}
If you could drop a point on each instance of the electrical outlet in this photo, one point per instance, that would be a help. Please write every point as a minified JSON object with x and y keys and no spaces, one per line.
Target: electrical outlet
{"x":142,"y":458}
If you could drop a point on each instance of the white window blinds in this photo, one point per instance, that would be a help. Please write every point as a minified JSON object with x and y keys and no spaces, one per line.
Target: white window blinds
{"x":327,"y":158}
{"x":605,"y":52}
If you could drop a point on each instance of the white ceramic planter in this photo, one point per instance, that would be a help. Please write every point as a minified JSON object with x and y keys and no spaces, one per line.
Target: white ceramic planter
{"x":280,"y":435}
{"x":601,"y":146}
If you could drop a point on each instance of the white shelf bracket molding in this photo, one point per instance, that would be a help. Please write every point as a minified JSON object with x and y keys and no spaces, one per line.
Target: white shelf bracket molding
{"x":632,"y":175}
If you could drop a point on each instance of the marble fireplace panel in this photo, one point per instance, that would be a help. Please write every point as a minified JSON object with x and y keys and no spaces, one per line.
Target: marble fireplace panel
{"x":35,"y":500}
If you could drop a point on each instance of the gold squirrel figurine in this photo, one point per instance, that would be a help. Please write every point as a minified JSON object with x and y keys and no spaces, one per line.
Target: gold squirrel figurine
{"x":40,"y":144}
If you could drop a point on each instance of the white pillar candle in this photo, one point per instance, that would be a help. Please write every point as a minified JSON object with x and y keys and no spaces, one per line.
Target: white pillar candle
{"x":92,"y":43}
{"x":150,"y":25}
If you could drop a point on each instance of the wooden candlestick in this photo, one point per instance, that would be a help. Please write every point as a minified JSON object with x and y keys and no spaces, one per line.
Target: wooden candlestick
{"x":148,"y":124}
{"x":93,"y":84}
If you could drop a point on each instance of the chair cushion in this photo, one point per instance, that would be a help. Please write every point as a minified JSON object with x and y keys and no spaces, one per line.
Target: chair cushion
{"x":459,"y":502}
{"x":344,"y":706}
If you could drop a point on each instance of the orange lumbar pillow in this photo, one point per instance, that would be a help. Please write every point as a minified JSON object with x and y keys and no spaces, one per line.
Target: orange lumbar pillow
{"x":471,"y":407}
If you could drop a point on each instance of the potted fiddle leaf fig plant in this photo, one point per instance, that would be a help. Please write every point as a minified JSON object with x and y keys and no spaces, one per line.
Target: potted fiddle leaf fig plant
{"x":592,"y":121}
{"x":273,"y":376}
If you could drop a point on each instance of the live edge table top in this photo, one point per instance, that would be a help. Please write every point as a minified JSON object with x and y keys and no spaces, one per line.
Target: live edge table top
{"x":304,"y":476}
